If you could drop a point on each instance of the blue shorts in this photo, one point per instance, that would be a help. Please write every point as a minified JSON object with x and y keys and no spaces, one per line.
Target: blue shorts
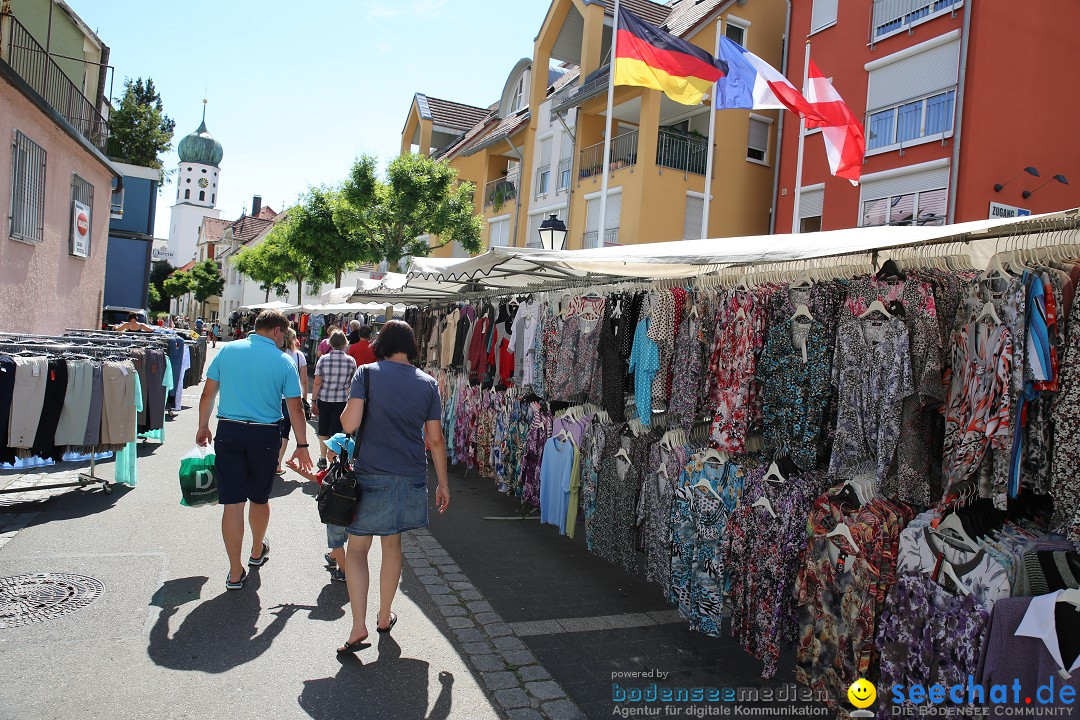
{"x":390,"y":504}
{"x":335,"y":536}
{"x":246,"y":461}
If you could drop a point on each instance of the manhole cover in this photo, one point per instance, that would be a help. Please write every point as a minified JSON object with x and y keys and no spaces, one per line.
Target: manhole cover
{"x":36,"y":598}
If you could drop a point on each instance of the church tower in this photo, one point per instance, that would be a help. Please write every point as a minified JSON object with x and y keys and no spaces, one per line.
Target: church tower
{"x":197,"y":180}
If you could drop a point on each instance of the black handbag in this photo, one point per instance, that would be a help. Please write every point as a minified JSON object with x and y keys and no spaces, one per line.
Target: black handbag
{"x":340,"y":492}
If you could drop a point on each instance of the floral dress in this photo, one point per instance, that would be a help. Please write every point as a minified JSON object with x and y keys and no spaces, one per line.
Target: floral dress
{"x":979,"y":403}
{"x":711,"y":508}
{"x":795,"y":387}
{"x":686,"y":373}
{"x":657,"y":490}
{"x":613,"y":521}
{"x":739,"y":326}
{"x":872,"y":374}
{"x":539,"y":433}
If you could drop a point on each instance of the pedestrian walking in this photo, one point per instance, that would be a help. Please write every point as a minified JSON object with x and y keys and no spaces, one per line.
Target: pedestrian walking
{"x":199,"y":325}
{"x":403,"y":408}
{"x":215,"y":333}
{"x":324,"y":344}
{"x":360,"y":350}
{"x":251,"y":377}
{"x":354,"y":331}
{"x":339,"y":444}
{"x":333,"y":373}
{"x":291,"y":348}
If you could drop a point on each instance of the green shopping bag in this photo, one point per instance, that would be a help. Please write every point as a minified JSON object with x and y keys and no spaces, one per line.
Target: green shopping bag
{"x":198,"y":477}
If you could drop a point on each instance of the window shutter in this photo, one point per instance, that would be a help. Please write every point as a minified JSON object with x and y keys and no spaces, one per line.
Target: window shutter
{"x":592,"y":215}
{"x":614,"y":209}
{"x":904,"y":184}
{"x":914,"y":76}
{"x":759,"y":137}
{"x":695,"y":206}
{"x":811,"y":203}
{"x":824,"y":14}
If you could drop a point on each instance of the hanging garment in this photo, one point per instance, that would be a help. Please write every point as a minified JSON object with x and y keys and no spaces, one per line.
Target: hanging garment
{"x":97,"y":402}
{"x":51,"y":407}
{"x":795,"y":371}
{"x":31,"y":375}
{"x":118,"y":408}
{"x":71,"y":429}
{"x":686,"y":372}
{"x":872,"y":373}
{"x":7,"y":389}
{"x":644,"y":364}
{"x":732,"y":367}
{"x":616,"y":504}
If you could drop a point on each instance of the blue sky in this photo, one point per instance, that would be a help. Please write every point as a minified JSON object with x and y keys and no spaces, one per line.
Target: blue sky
{"x":297,"y":90}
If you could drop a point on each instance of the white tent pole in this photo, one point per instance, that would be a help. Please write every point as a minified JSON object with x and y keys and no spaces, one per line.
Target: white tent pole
{"x":802,"y":139}
{"x":709,"y":154}
{"x":607,"y":132}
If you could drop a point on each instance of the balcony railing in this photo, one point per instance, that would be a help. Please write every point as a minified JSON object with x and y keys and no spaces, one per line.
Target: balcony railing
{"x":623,"y":154}
{"x":574,"y":94}
{"x":498,"y":192}
{"x":682,"y":152}
{"x":30,"y":61}
{"x":611,"y":237}
{"x":891,"y":16}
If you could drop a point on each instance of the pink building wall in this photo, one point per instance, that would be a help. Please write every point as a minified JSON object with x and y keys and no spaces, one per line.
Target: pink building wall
{"x":43,"y":289}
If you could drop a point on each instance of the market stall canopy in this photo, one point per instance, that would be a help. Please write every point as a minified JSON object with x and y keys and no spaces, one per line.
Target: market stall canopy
{"x":688,"y":257}
{"x":273,"y":305}
{"x":345,"y":307}
{"x":499,"y":268}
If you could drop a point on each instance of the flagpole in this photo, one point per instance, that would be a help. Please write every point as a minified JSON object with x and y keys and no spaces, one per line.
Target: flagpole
{"x":607,"y":130}
{"x":709,"y":153}
{"x":802,"y":140}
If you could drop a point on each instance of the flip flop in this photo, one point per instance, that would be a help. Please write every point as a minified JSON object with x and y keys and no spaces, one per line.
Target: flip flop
{"x":388,"y":628}
{"x":351,"y":647}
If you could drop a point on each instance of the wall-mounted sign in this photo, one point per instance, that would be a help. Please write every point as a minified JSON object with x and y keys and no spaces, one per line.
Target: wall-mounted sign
{"x":80,"y":229}
{"x":997,"y":210}
{"x":161,"y":251}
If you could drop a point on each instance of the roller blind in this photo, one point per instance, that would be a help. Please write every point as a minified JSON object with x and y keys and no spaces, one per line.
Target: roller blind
{"x":545,"y":152}
{"x":824,"y":14}
{"x":692,"y":217}
{"x":811,"y":203}
{"x":907,"y":183}
{"x":913,"y":77}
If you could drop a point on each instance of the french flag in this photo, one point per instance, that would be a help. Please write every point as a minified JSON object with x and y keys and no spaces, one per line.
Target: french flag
{"x":753,"y":84}
{"x":845,"y":143}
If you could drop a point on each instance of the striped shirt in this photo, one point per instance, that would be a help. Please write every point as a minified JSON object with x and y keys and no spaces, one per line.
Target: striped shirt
{"x":336,"y":370}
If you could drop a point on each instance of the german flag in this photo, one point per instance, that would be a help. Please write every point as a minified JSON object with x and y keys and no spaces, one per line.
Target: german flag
{"x":646,"y":56}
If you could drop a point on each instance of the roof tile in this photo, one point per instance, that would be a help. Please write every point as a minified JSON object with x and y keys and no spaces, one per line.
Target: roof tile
{"x":457,"y":116}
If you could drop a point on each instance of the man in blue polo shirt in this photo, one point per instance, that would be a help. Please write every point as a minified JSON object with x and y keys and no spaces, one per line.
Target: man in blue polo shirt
{"x":252,"y":376}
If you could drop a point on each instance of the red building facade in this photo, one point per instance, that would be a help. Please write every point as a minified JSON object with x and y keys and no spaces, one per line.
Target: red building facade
{"x":955,"y":96}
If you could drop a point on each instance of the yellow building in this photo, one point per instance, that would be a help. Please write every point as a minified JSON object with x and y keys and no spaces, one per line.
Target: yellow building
{"x":539,"y":150}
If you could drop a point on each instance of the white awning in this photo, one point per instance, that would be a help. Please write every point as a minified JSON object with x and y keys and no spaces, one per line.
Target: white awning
{"x":499,"y":268}
{"x":274,"y":305}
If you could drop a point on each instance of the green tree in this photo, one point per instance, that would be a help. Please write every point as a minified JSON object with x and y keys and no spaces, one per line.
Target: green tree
{"x":314,"y":233}
{"x":140,"y":130}
{"x":153,"y":297}
{"x":177,"y":285}
{"x":282,"y":252}
{"x":206,"y":282}
{"x":263,"y":265}
{"x":420,"y":197}
{"x":159,"y":272}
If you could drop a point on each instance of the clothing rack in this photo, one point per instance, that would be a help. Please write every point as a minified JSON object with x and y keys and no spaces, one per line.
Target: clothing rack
{"x":32,"y":344}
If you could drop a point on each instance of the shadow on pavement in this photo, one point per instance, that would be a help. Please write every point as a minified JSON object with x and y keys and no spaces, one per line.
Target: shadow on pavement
{"x":390,"y":687}
{"x":220,"y":633}
{"x":332,"y":602}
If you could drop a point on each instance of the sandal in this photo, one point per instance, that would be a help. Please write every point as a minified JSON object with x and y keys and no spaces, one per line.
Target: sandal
{"x":351,"y":647}
{"x":330,"y":561}
{"x":235,"y":584}
{"x":388,"y":628}
{"x":261,"y":560}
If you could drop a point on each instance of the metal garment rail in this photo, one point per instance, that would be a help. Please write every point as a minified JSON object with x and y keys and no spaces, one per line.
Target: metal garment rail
{"x":29,"y":343}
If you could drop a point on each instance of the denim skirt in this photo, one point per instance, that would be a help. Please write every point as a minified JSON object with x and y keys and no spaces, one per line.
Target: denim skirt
{"x":390,"y":504}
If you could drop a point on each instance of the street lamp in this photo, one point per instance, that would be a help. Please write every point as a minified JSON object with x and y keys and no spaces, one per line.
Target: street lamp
{"x":1030,"y":170}
{"x":552,"y":233}
{"x":1059,"y":177}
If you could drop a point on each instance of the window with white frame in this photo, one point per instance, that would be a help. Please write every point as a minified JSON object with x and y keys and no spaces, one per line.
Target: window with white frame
{"x":532,"y":238}
{"x":912,"y":99}
{"x":593,"y":237}
{"x":543,"y":170}
{"x":499,"y":232}
{"x":735,"y":32}
{"x":823,"y":14}
{"x":811,"y":206}
{"x":757,"y":142}
{"x":27,"y":189}
{"x":908,"y":198}
{"x":518,"y":99}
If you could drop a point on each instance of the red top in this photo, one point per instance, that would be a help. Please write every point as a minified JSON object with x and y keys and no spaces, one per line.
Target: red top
{"x":362,"y":353}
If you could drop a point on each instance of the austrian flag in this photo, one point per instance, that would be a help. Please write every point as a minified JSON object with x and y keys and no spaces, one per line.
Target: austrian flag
{"x":845,"y":143}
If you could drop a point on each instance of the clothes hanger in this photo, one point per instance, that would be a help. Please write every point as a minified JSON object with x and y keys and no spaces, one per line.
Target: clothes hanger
{"x":773,"y":474}
{"x":1070,"y":596}
{"x":952,"y":522}
{"x":876,"y":307}
{"x":623,"y":455}
{"x":706,"y":484}
{"x":947,"y":568}
{"x":714,"y":455}
{"x":803,"y":311}
{"x":988,"y":310}
{"x":842,"y":530}
{"x":765,"y":503}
